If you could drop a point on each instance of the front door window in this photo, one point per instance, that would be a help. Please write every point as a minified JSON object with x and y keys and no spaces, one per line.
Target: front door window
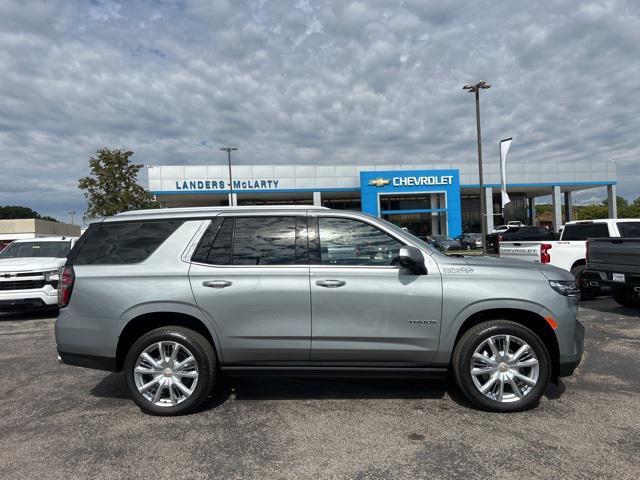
{"x":344,"y":241}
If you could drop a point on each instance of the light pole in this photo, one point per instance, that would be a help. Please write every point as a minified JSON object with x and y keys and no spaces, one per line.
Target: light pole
{"x":72,"y":213}
{"x":228,"y":150}
{"x":483,"y":203}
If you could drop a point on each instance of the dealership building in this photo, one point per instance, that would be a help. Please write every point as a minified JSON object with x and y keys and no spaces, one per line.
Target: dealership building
{"x":428,"y":199}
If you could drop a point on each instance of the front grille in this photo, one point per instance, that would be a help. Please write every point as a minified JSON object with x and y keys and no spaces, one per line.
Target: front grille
{"x":21,"y":284}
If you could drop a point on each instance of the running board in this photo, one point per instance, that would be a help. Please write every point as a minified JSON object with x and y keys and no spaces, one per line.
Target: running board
{"x":336,"y":372}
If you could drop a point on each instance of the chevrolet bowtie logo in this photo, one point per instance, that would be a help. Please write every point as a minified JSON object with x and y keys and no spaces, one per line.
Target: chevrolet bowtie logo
{"x":379,"y":182}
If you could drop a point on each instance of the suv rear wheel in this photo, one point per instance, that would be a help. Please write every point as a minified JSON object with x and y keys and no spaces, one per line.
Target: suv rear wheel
{"x":170,"y":370}
{"x":501,"y":366}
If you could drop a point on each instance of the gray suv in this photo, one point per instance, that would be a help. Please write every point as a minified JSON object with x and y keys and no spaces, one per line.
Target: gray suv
{"x":178,"y":297}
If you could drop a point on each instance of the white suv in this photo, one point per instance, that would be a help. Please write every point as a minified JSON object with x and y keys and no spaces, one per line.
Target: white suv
{"x":29,"y":272}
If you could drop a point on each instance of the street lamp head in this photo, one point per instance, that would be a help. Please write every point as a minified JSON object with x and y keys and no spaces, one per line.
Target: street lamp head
{"x":474,"y":88}
{"x":228,"y":149}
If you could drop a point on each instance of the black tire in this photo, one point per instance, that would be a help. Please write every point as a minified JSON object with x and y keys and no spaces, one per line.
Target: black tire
{"x":587,"y":292}
{"x":203,"y":354}
{"x":626,"y":297}
{"x":472,"y":339}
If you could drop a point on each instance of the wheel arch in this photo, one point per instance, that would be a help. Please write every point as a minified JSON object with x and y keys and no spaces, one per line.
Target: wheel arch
{"x":578,"y":263}
{"x":526,"y":318}
{"x":145,"y":322}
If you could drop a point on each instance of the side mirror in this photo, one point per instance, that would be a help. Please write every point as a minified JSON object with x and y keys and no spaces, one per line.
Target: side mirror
{"x":411,"y":258}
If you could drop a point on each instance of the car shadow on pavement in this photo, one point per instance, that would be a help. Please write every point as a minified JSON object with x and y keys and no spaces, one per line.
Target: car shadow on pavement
{"x":111,"y":386}
{"x":609,"y":305}
{"x":284,"y":388}
{"x":279,"y":388}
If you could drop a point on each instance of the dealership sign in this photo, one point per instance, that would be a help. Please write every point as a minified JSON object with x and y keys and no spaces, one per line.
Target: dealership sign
{"x":413,"y":181}
{"x":417,"y":184}
{"x":196,"y":185}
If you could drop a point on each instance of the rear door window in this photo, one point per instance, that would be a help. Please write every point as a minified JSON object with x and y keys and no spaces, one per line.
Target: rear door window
{"x":121,"y":243}
{"x":629,"y":229}
{"x":582,"y":231}
{"x":277,"y":240}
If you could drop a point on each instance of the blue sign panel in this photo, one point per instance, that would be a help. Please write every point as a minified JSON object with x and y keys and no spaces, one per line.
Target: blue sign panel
{"x":399,"y":182}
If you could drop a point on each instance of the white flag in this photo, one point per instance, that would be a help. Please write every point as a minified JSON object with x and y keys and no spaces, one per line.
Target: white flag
{"x":504,"y":149}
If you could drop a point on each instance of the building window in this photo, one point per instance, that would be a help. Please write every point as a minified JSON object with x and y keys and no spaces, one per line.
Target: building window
{"x":407,"y":202}
{"x":342,"y":203}
{"x":259,"y":201}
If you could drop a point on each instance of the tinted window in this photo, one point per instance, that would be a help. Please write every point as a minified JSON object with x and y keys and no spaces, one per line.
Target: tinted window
{"x":264,"y":241}
{"x":529,"y":233}
{"x":120,"y":243}
{"x":582,"y":231}
{"x":215,"y":245}
{"x":629,"y":229}
{"x":36,"y":249}
{"x":344,"y":241}
{"x":254,"y":241}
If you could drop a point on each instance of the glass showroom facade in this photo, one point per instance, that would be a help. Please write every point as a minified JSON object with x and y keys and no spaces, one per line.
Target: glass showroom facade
{"x":425,"y":198}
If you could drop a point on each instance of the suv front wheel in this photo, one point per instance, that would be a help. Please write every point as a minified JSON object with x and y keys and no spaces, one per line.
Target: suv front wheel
{"x":170,"y":370}
{"x":501,"y":366}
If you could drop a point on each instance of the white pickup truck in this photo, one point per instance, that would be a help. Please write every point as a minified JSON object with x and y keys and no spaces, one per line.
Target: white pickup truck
{"x":29,"y":272}
{"x":570,"y":251}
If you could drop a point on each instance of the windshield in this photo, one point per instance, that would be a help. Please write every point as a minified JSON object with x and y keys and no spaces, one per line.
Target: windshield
{"x":36,"y":249}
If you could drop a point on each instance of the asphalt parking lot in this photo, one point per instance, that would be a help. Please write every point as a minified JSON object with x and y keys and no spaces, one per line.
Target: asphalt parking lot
{"x":59,"y":421}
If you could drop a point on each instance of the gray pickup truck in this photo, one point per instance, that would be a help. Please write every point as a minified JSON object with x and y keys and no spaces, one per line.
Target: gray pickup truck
{"x":615,"y":262}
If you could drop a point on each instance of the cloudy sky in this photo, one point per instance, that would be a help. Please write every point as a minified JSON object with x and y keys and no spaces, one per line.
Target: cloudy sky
{"x":310,"y":81}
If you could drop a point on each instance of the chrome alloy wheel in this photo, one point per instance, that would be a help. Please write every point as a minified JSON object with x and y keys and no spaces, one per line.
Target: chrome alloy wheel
{"x":166,"y":373}
{"x":504,"y":368}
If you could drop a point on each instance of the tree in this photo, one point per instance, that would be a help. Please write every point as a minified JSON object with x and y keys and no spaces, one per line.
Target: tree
{"x":16,"y":211}
{"x":112,"y":186}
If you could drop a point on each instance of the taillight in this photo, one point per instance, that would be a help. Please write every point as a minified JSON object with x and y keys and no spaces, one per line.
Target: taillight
{"x":545,"y":256}
{"x":65,"y":286}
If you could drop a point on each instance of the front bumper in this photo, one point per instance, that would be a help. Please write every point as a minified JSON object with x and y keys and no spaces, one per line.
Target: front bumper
{"x":43,"y":297}
{"x":570,"y":361}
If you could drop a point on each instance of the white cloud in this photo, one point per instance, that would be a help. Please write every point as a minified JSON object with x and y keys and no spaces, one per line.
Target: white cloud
{"x":310,"y":81}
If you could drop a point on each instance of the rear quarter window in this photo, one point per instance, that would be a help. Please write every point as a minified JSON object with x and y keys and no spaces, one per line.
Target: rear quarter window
{"x":122,"y":243}
{"x":629,"y":229}
{"x":582,"y":231}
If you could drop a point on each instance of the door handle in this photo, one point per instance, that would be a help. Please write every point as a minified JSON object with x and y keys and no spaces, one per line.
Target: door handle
{"x":216,"y":283}
{"x":331,"y":283}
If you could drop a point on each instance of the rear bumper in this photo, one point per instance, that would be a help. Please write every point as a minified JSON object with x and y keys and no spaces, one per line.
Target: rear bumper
{"x":570,"y":361}
{"x":605,"y":278}
{"x":88,"y":361}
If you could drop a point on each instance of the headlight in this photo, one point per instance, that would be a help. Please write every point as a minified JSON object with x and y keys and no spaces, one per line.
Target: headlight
{"x":51,"y":275}
{"x":568,"y":288}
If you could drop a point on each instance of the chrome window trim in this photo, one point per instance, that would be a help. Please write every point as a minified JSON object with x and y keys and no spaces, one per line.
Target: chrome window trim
{"x":188,"y":253}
